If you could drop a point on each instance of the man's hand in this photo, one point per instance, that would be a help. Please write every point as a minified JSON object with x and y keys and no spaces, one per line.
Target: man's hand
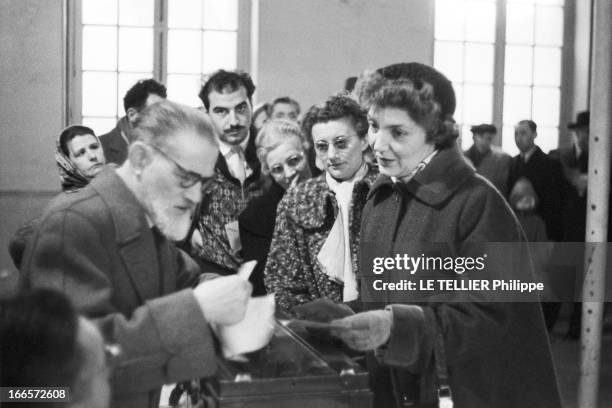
{"x":223,"y":300}
{"x":365,"y":331}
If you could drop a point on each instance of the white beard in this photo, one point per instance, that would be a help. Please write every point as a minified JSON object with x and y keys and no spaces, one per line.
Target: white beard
{"x":174,"y":228}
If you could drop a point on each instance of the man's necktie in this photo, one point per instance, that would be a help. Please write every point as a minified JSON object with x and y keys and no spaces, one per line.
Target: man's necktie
{"x":235,"y":163}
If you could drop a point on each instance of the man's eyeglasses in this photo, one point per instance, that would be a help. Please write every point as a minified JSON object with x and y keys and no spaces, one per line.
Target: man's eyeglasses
{"x":187,"y":178}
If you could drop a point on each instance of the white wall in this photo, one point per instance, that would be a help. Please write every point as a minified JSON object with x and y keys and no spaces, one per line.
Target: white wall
{"x":30,"y":111}
{"x":308,"y":48}
{"x":31,"y":93}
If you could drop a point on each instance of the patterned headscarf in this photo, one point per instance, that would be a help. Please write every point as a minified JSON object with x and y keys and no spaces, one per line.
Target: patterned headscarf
{"x":70,"y":176}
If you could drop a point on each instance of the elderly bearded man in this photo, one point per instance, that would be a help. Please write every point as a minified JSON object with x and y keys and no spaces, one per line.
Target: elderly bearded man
{"x":108,"y":248}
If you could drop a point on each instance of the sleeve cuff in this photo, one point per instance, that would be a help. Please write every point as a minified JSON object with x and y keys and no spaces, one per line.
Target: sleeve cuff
{"x":185,"y":336}
{"x":410,"y":343}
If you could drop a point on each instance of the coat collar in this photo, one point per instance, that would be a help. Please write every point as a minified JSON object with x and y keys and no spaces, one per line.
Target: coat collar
{"x":132,"y":234}
{"x":446,"y":172}
{"x":316,"y":192}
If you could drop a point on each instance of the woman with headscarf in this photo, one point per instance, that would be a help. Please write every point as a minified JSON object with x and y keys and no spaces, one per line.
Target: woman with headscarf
{"x":282,"y":151}
{"x":313,"y":254}
{"x":433,"y":346}
{"x":79,"y":158}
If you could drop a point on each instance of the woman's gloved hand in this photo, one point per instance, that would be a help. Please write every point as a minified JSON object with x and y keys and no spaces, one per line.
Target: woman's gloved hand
{"x":322,"y":310}
{"x":364,"y":331}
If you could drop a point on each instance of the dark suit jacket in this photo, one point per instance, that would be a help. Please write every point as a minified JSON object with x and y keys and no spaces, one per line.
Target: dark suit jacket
{"x":114,"y":145}
{"x":256,"y":224}
{"x":96,"y":247}
{"x":549,"y":184}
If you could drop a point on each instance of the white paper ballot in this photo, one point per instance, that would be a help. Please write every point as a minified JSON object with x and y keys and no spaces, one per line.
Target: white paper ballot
{"x":251,"y":333}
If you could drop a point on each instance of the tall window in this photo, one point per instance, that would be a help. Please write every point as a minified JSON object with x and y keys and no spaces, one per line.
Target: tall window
{"x":503,"y":75}
{"x":173,"y":41}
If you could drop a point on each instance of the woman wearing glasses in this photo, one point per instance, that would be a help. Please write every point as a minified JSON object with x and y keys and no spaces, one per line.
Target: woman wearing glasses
{"x":313,"y":251}
{"x":282,"y":151}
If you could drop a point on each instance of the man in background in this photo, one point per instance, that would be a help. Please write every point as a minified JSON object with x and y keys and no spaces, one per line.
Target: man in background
{"x":490,"y":161}
{"x":285,"y":108}
{"x":215,"y":242}
{"x":545,"y":175}
{"x":144,"y":93}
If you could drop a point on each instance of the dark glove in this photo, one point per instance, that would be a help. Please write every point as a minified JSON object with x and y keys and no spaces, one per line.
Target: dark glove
{"x":322,"y":310}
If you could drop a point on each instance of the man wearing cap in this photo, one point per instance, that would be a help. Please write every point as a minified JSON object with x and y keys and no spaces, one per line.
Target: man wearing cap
{"x":489,"y":161}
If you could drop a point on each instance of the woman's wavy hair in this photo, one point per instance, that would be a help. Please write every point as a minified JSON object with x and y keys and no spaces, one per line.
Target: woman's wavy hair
{"x":336,"y":107}
{"x":273,"y":134}
{"x":414,"y":96}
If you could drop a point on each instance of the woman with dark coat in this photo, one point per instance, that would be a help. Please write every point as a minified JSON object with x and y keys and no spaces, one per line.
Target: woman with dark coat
{"x":283,"y":153}
{"x":430,"y":346}
{"x":314,"y":250}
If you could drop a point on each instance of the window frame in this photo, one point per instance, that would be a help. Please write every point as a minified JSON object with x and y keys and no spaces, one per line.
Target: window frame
{"x":74,"y":56}
{"x":566,"y":83}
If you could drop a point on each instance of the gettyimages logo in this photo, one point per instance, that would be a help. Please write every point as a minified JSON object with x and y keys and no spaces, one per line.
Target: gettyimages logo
{"x":412,"y":265}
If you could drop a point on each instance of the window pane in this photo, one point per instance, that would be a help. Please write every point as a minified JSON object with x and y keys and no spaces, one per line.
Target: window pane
{"x":184,"y":51}
{"x":448,"y":57}
{"x":480,"y":24}
{"x":99,"y":48}
{"x":185,"y":89}
{"x":99,"y":12}
{"x":549,"y":26}
{"x":508,"y":144}
{"x":136,"y":12}
{"x":466,"y":137}
{"x":478,"y":106}
{"x":479,"y":63}
{"x":459,"y":97}
{"x":449,"y":17}
{"x":517,"y":103}
{"x":551,"y":2}
{"x":548,"y":138}
{"x":100,"y":125}
{"x":219,"y":50}
{"x":135,"y":49}
{"x":518,"y":65}
{"x":546,"y":106}
{"x":99,"y":94}
{"x":519,"y":24}
{"x":221,"y":14}
{"x":126,"y":81}
{"x":547,"y":66}
{"x":185,"y":13}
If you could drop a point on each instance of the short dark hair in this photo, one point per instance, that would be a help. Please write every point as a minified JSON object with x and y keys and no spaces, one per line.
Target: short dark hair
{"x":286,"y":100}
{"x":336,"y":107}
{"x":483,"y":128}
{"x":38,"y":341}
{"x":136,"y":96}
{"x":70,"y":133}
{"x":532,"y":125}
{"x":222,"y":80}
